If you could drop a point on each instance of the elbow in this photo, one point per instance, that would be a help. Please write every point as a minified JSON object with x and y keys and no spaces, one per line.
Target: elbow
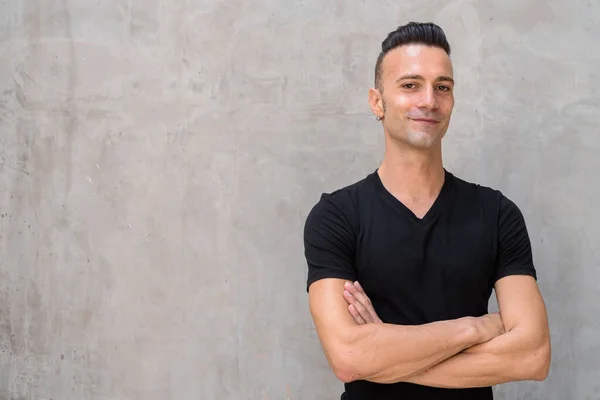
{"x":344,"y":366}
{"x":541,"y":372}
{"x":543,"y":365}
{"x":343,"y":375}
{"x":346,"y":363}
{"x":540,"y":364}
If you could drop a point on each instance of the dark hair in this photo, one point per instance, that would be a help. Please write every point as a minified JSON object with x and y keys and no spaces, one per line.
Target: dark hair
{"x":426,"y":33}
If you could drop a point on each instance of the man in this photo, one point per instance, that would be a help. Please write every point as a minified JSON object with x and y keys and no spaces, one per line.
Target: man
{"x":427,"y":248}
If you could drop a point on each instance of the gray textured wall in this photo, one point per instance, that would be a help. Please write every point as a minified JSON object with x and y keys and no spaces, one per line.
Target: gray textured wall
{"x":158,"y":158}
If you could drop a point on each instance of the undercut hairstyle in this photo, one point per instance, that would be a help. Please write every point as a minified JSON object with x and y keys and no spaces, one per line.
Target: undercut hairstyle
{"x":425,"y":33}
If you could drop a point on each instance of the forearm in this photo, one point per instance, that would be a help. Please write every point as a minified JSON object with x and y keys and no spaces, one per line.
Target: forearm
{"x":386,"y":353}
{"x":510,"y":357}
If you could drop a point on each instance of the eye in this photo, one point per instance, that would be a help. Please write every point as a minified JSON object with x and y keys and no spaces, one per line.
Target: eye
{"x":444,"y":88}
{"x":409,"y":86}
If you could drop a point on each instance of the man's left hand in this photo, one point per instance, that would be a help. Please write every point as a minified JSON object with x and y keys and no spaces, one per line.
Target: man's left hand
{"x":359,"y":304}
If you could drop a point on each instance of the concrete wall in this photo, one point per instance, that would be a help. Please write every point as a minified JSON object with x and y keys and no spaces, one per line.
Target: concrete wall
{"x":158,"y":158}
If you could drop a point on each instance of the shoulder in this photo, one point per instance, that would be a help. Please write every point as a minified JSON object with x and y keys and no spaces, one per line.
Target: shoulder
{"x":485,"y":195}
{"x":479,"y":190}
{"x":340,"y":204}
{"x":493,"y":202}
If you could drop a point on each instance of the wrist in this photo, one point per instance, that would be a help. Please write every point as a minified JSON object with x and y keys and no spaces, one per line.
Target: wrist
{"x":475,"y":330}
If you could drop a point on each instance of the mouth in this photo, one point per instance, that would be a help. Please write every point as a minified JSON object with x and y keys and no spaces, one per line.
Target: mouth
{"x":426,"y":121}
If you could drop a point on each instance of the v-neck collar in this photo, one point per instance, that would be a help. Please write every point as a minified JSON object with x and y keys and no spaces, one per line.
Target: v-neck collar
{"x":437,"y":206}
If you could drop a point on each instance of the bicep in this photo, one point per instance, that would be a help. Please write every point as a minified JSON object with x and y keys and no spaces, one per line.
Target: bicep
{"x":329,"y":311}
{"x":522,"y":307}
{"x":332,"y":321}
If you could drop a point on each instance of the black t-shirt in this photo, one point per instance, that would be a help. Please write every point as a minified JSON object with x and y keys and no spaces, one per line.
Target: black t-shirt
{"x":416,"y":271}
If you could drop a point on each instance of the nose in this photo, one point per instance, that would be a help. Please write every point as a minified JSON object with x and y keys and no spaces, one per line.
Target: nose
{"x":428,"y":99}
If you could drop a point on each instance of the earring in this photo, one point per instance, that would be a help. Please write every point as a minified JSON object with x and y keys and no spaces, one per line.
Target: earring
{"x":378,"y":118}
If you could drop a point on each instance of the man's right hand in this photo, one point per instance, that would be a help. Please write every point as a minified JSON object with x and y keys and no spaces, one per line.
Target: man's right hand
{"x":359,"y":304}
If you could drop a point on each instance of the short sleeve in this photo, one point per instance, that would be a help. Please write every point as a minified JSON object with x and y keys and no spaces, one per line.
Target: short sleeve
{"x":514,"y":246}
{"x":329,"y":242}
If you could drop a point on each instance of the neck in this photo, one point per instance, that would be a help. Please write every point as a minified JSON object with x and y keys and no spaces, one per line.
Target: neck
{"x":412,"y":173}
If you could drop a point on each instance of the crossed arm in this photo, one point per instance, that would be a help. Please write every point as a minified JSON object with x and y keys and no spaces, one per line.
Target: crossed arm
{"x":523,"y":352}
{"x":467,"y":352}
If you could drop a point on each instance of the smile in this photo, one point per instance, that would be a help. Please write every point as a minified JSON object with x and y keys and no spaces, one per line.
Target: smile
{"x":426,"y":121}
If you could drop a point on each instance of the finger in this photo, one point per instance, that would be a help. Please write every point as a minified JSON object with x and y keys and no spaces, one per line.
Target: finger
{"x":362,"y":311}
{"x":359,"y":320}
{"x":349,"y":298}
{"x":354,"y":294}
{"x":360,"y":296}
{"x":366,"y":302}
{"x":350,"y":292}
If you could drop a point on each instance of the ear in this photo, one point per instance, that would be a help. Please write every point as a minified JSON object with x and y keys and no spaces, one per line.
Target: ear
{"x":376,"y":102}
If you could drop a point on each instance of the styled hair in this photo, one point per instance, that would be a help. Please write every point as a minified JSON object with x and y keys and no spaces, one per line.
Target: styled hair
{"x":425,"y":33}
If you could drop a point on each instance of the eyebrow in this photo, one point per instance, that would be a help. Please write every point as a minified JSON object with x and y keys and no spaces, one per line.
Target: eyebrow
{"x":420,"y":78}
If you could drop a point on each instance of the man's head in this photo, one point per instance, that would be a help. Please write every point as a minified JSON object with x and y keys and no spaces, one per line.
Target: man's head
{"x":413,"y":92}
